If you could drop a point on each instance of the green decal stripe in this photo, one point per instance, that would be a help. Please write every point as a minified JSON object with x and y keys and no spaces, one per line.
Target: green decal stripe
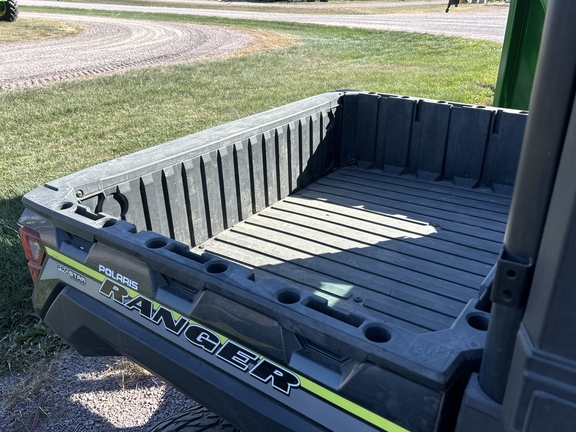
{"x":351,"y":407}
{"x":311,"y":387}
{"x":75,"y":264}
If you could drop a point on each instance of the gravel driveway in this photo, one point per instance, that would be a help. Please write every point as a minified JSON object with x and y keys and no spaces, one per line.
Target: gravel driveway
{"x":111,"y":45}
{"x":487,"y":22}
{"x":76,"y":394}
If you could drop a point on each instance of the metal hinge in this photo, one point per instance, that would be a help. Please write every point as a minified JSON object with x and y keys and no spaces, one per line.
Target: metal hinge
{"x":511,"y":282}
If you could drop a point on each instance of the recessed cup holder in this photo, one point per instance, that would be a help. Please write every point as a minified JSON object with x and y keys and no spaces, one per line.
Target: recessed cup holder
{"x":216,"y":267}
{"x":156,"y":243}
{"x":377,"y":333}
{"x":478,"y":321}
{"x":288,"y":297}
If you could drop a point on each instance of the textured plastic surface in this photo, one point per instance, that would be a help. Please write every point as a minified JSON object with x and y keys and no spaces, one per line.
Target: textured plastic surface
{"x":341,"y":238}
{"x":245,"y":407}
{"x":377,"y":292}
{"x":478,"y":413}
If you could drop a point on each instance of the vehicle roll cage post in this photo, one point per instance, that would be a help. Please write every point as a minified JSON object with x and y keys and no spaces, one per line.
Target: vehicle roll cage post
{"x":531,"y":212}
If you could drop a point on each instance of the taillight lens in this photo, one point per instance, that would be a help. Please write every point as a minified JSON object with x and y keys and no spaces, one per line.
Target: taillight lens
{"x":33,"y":249}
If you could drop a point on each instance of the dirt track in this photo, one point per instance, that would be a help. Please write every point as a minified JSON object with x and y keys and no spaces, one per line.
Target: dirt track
{"x":111,"y":45}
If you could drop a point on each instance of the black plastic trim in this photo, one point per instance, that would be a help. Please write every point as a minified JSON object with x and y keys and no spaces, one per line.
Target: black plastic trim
{"x":204,"y":382}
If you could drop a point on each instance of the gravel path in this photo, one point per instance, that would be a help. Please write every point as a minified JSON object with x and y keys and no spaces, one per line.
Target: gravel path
{"x":76,"y":394}
{"x":111,"y":45}
{"x":487,"y":22}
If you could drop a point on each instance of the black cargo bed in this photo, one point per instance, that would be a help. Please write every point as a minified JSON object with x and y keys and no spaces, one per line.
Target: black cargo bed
{"x":402,"y":250}
{"x":369,"y":221}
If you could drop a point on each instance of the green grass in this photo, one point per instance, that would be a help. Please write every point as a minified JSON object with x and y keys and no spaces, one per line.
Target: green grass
{"x":26,"y":29}
{"x":51,"y":131}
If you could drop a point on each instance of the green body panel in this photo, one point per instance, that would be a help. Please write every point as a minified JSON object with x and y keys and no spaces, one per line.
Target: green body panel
{"x":520,"y":53}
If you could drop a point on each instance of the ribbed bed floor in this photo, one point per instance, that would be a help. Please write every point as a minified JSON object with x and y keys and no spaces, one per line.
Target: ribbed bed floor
{"x":410,"y":252}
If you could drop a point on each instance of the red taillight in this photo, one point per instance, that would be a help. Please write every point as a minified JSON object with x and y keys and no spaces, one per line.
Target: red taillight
{"x":33,"y":249}
{"x":34,"y":270}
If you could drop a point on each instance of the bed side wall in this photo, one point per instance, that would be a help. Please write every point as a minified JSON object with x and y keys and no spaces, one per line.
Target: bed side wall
{"x":468,"y":145}
{"x":195,"y":187}
{"x":200,"y":196}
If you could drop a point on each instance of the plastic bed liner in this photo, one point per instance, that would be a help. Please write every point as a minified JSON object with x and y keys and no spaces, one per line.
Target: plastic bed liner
{"x":344,"y":237}
{"x":403,"y":250}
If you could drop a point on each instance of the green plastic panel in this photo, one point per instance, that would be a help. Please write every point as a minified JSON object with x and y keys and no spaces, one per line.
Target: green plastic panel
{"x":520,"y":53}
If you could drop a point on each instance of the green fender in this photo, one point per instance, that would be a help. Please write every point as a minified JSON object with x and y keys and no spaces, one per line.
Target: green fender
{"x":520,"y":53}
